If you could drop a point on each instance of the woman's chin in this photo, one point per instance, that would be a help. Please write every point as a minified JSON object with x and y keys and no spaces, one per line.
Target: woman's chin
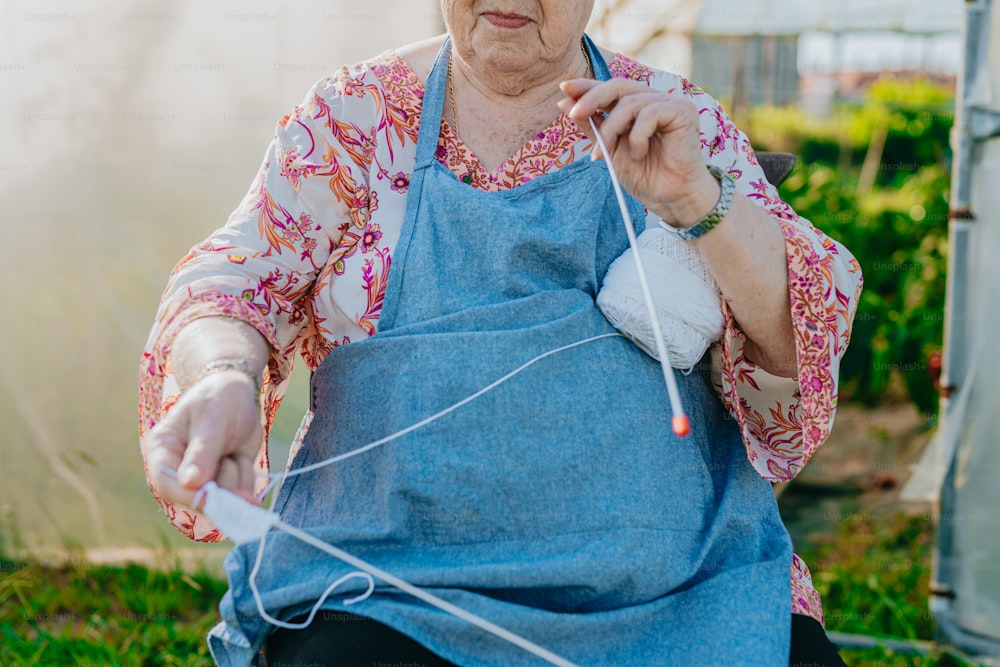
{"x":506,"y":55}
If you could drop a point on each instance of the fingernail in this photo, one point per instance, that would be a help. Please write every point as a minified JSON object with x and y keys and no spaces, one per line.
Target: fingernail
{"x":188,"y":473}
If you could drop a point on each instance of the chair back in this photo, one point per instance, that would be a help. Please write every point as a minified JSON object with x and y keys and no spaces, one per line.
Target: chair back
{"x":776,"y":166}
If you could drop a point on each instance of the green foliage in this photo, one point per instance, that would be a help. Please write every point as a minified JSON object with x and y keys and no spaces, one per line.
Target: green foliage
{"x":874,"y":578}
{"x":896,"y":225}
{"x":88,"y":614}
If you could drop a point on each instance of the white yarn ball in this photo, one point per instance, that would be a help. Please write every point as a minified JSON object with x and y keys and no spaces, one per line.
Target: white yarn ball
{"x":685,"y":296}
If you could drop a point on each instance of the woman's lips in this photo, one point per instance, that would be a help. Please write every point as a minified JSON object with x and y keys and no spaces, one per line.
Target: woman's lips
{"x":507,"y":20}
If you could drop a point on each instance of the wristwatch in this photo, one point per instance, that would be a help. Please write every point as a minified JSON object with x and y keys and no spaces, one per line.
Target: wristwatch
{"x":714,"y":216}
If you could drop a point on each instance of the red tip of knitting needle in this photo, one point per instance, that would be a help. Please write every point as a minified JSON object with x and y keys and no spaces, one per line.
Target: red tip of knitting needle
{"x":682,"y":427}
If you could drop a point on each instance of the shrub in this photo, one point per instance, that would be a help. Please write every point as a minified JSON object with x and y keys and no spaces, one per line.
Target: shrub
{"x":875,"y":176}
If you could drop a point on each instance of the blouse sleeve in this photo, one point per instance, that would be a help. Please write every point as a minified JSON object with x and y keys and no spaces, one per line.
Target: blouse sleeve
{"x":272,"y":251}
{"x":783,"y":420}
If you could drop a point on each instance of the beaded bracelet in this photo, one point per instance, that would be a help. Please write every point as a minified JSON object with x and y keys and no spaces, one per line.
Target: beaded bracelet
{"x":231,"y":365}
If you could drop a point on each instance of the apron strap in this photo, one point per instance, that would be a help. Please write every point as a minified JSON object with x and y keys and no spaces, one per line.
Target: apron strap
{"x":601,"y":70}
{"x":432,"y":108}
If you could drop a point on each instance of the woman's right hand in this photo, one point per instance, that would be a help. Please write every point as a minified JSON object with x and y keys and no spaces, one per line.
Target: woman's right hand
{"x":213,"y":432}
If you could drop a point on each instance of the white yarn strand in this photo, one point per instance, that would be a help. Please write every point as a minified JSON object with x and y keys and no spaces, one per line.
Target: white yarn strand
{"x":424,"y":422}
{"x":322,"y":598}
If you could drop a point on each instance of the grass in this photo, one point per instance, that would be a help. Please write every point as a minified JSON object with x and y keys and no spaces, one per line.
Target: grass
{"x":873,"y":574}
{"x":97,"y":615}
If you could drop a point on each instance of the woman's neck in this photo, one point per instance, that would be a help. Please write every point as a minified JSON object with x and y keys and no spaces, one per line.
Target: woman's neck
{"x":527,"y":86}
{"x":497,"y":112}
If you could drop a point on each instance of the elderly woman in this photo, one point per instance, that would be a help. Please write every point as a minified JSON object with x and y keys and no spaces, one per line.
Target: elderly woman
{"x":425,"y":223}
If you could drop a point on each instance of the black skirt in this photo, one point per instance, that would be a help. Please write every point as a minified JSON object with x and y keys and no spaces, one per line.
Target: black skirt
{"x":339,"y":639}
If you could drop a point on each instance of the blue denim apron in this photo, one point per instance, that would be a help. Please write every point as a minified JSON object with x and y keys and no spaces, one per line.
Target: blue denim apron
{"x":559,"y":505}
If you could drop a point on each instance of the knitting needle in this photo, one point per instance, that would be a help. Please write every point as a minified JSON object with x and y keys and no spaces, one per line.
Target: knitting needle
{"x":680,"y":422}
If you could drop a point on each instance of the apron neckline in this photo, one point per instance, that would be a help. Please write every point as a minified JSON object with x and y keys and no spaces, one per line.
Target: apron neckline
{"x":432,"y":107}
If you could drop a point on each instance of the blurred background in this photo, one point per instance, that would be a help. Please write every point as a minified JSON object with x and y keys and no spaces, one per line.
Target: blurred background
{"x":130,"y":129}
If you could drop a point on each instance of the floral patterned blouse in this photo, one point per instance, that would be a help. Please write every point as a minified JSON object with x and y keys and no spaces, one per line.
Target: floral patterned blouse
{"x":306,"y":255}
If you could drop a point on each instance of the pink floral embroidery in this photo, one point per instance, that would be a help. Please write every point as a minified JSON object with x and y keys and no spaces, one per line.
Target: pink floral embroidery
{"x":374,"y":275}
{"x":401,"y":182}
{"x":544,"y":153}
{"x":362,"y":204}
{"x":371,"y":237}
{"x":805,"y":598}
{"x":293,"y":168}
{"x":690,"y":89}
{"x":626,"y":68}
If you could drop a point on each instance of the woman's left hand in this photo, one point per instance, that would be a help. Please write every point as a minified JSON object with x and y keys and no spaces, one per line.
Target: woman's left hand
{"x":654,"y":143}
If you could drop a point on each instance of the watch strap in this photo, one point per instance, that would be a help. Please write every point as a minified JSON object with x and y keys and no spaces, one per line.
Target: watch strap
{"x":714,"y":216}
